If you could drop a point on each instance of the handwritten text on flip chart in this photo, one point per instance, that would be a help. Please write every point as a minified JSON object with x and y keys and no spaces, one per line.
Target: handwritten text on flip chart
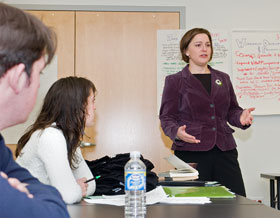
{"x":256,"y":70}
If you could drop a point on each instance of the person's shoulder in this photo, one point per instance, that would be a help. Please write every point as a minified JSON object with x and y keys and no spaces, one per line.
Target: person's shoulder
{"x":2,"y":142}
{"x":219,"y":73}
{"x":4,"y":150}
{"x":174,"y":79}
{"x":5,"y":154}
{"x":51,"y":131}
{"x":175,"y":75}
{"x":51,"y":138}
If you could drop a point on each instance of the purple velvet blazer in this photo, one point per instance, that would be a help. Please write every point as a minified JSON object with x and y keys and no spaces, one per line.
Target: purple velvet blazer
{"x":186,"y":102}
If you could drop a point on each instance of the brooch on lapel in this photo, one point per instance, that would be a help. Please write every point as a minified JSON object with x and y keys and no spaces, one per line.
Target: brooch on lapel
{"x":219,"y":82}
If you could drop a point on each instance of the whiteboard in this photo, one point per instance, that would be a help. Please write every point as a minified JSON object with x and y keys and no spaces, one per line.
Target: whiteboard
{"x":48,"y":77}
{"x":256,"y":70}
{"x":169,"y":59}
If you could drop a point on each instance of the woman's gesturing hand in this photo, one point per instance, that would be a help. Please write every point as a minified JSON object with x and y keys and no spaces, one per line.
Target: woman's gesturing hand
{"x":246,"y":117}
{"x":183,"y":135}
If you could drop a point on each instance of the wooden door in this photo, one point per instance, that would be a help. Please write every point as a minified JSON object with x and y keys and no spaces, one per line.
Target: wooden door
{"x":117,"y":51}
{"x":63,"y":23}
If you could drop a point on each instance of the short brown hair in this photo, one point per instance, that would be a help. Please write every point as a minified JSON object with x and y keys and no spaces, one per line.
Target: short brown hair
{"x":23,"y":39}
{"x":187,"y":38}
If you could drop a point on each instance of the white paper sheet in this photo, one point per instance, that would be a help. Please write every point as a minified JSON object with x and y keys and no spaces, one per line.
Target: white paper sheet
{"x":157,"y":195}
{"x":152,"y":197}
{"x":186,"y":200}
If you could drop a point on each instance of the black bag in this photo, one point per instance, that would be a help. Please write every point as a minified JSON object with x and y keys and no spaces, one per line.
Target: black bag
{"x":111,"y":170}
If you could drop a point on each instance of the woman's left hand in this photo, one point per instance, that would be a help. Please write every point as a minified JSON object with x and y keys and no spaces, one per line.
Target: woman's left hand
{"x":246,"y":117}
{"x":82,"y":183}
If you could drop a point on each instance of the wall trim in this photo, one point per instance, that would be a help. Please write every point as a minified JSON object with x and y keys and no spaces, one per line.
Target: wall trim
{"x":180,"y":9}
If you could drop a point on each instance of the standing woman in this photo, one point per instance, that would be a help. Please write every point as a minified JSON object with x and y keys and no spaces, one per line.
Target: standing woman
{"x":50,"y":148}
{"x":197,"y":105}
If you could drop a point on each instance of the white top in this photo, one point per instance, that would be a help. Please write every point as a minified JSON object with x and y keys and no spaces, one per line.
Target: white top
{"x":45,"y":156}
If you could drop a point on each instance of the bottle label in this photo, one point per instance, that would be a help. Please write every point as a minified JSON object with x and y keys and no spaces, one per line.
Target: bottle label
{"x":135,"y":180}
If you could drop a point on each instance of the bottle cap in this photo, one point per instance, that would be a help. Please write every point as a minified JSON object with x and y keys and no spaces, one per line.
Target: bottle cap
{"x":134,"y":154}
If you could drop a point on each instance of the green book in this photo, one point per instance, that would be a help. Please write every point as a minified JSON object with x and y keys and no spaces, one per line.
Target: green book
{"x":210,"y":192}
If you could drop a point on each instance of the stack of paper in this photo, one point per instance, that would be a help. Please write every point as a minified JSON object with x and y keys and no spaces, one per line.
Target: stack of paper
{"x":152,"y":197}
{"x":158,"y":195}
{"x":183,"y":170}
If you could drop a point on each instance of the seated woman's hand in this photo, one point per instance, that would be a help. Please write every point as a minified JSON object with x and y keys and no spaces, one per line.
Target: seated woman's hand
{"x":83,"y":185}
{"x":183,"y":135}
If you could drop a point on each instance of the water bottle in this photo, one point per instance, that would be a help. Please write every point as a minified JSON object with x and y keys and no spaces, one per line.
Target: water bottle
{"x":135,"y":187}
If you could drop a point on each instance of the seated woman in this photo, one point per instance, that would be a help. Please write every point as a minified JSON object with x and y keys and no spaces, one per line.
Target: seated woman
{"x":50,"y":147}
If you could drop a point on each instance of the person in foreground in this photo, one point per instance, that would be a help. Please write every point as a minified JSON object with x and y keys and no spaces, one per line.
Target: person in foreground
{"x":50,"y":148}
{"x":197,"y":105}
{"x":24,"y":43}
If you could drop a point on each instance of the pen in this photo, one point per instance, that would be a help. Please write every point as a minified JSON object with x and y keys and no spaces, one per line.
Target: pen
{"x":96,"y":177}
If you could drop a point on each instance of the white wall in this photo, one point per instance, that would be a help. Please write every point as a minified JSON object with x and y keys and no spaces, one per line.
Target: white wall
{"x":259,"y":146}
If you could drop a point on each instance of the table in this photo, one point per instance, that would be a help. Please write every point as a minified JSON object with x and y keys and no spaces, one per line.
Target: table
{"x":273,"y":177}
{"x":238,"y":207}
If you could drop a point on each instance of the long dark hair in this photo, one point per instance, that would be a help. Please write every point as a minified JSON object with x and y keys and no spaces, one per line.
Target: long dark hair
{"x":65,"y":104}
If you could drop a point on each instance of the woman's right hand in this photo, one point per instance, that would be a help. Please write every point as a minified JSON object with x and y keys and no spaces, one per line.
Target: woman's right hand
{"x":83,"y":185}
{"x":183,"y":135}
